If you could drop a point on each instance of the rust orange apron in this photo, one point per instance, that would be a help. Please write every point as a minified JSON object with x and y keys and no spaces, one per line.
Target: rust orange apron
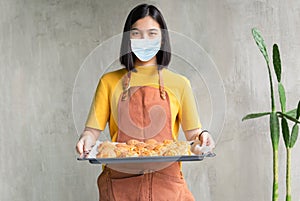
{"x":144,"y":113}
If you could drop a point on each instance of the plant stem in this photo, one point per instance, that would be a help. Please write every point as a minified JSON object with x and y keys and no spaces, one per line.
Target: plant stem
{"x":288,"y":175}
{"x":274,"y":129}
{"x":275,"y":175}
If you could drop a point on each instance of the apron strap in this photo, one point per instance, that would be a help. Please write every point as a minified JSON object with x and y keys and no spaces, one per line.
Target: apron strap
{"x":161,"y":85}
{"x":126,"y":86}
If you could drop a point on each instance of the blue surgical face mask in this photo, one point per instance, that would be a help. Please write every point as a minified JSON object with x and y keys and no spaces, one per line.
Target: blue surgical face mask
{"x":145,"y":49}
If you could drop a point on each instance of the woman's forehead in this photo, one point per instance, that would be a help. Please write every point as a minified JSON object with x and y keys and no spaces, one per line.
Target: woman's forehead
{"x":145,"y":23}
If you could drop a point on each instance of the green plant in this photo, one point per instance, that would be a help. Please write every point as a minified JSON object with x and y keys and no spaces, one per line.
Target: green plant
{"x":293,"y":115}
{"x":289,"y":138}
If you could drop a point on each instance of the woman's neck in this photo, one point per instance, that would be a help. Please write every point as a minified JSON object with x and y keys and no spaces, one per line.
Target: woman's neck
{"x":151,"y":62}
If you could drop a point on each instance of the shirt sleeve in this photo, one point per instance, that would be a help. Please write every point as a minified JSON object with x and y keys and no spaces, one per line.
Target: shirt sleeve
{"x":99,"y":111}
{"x":188,"y":113}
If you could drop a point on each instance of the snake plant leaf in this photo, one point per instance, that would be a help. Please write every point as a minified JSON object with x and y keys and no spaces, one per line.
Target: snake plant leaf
{"x":288,"y":117}
{"x":282,"y":96}
{"x":294,"y":135}
{"x":295,"y":129}
{"x":292,"y":113}
{"x":274,"y":128}
{"x":298,"y":111}
{"x":260,"y":43}
{"x":255,"y":115}
{"x":285,"y":132}
{"x":277,"y":62}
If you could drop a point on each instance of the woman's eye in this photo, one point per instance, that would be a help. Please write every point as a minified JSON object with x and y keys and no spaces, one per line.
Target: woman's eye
{"x":153,"y":34}
{"x":135,"y":33}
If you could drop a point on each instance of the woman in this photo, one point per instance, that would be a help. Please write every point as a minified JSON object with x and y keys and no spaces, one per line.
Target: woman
{"x":142,"y":101}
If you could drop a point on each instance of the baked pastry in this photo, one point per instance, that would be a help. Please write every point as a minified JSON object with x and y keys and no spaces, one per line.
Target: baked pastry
{"x":132,"y":142}
{"x":106,"y":150}
{"x":135,"y":148}
{"x":151,"y":141}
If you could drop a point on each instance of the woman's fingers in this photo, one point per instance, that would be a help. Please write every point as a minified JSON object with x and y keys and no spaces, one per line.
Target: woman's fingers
{"x":88,"y":144}
{"x":85,"y":144}
{"x":79,"y":147}
{"x":204,"y":139}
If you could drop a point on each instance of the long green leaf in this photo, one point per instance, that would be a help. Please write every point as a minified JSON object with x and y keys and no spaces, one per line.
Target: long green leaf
{"x":285,"y":132}
{"x":294,"y":135}
{"x":261,"y":44}
{"x":288,"y":117}
{"x":277,"y":62}
{"x":274,"y":128}
{"x":298,"y":111}
{"x":255,"y":115}
{"x":292,"y":113}
{"x":282,"y":97}
{"x":295,"y":129}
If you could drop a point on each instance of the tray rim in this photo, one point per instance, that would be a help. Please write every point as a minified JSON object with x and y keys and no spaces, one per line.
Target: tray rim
{"x":143,"y":159}
{"x":146,"y":159}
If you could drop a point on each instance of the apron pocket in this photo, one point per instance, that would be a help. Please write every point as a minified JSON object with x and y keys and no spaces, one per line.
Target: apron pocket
{"x":170,"y":188}
{"x":127,"y":188}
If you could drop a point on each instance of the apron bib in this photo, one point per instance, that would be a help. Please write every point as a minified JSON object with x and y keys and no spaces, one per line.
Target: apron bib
{"x":144,"y":113}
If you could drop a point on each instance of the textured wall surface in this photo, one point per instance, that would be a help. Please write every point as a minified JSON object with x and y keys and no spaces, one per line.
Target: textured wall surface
{"x":44,"y":43}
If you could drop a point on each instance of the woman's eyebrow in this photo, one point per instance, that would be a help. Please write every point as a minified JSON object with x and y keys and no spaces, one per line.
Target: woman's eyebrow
{"x":152,"y":29}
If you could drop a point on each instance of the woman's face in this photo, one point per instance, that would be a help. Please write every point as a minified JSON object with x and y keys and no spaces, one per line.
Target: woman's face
{"x":145,"y":28}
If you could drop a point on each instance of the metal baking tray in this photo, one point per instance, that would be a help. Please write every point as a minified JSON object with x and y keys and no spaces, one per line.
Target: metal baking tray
{"x":91,"y":157}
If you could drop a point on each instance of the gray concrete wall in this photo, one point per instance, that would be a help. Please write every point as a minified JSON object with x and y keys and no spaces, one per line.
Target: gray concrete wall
{"x":43,"y":44}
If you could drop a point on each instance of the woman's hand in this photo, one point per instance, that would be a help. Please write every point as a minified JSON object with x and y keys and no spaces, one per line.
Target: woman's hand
{"x":87,"y":141}
{"x":207,"y":140}
{"x":203,"y":143}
